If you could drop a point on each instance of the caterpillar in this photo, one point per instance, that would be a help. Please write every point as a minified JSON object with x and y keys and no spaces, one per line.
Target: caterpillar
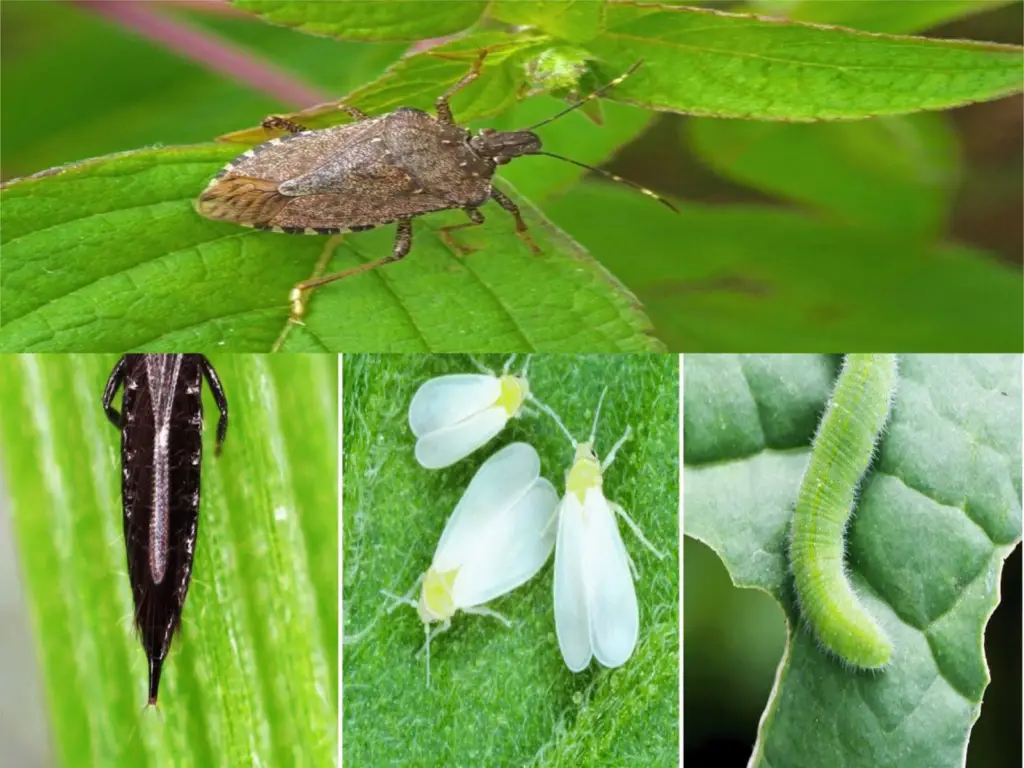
{"x":843,"y":446}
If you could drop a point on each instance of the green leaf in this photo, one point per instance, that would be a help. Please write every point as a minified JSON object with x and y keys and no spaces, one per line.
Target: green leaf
{"x":574,"y":20}
{"x":758,"y":279}
{"x":937,"y":516}
{"x":895,"y":173}
{"x":418,"y":80}
{"x":705,"y":62}
{"x":370,"y":19}
{"x":115,"y":238}
{"x":899,"y":16}
{"x":504,"y":696}
{"x":252,"y":677}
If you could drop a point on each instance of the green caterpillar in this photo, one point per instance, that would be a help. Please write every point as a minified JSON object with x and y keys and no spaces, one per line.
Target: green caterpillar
{"x":842,"y":450}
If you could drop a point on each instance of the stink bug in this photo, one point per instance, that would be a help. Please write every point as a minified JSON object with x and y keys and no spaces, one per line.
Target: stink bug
{"x":161,"y":424}
{"x":374,"y":171}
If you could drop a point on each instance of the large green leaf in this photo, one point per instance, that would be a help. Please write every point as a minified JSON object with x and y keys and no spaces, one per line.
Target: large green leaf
{"x":500,"y":696}
{"x":936,"y":517}
{"x":705,"y":62}
{"x":252,"y":677}
{"x":898,"y":16}
{"x":117,"y":238}
{"x":763,"y":279}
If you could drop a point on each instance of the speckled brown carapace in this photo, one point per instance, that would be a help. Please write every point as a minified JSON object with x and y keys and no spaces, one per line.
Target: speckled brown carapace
{"x":351,"y":177}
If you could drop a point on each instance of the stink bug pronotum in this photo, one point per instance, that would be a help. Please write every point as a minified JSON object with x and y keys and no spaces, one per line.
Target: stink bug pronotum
{"x":374,"y":171}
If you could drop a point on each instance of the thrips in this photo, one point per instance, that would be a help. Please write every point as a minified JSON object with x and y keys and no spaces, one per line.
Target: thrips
{"x":161,"y":424}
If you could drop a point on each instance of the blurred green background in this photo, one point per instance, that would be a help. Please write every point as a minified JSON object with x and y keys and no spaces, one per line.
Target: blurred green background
{"x":76,"y":85}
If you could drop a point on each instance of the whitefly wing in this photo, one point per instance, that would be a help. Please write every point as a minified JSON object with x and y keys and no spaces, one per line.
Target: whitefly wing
{"x":497,"y":486}
{"x":511,"y":549}
{"x":572,"y":620}
{"x":447,"y":446}
{"x":447,"y":400}
{"x":614,"y":616}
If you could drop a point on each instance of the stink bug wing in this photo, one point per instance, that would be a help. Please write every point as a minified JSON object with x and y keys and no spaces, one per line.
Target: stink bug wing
{"x":572,"y":622}
{"x":447,"y":400}
{"x":497,"y":486}
{"x":444,"y":447}
{"x":512,"y":550}
{"x":614,"y":615}
{"x":298,"y":154}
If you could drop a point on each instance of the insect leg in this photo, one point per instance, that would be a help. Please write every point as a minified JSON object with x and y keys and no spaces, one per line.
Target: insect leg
{"x":635,"y":529}
{"x":355,"y":114}
{"x":521,"y":229}
{"x":218,"y":396}
{"x":275,"y":123}
{"x":403,"y":242}
{"x":405,"y":599}
{"x":483,"y":610}
{"x":444,"y":112}
{"x":116,"y":380}
{"x":475,"y":220}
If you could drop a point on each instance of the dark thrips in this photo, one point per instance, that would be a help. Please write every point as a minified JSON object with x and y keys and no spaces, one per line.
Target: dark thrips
{"x":161,"y":424}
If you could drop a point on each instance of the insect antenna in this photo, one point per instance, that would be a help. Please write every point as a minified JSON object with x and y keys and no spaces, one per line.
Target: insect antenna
{"x":550,"y":412}
{"x":613,"y":177}
{"x":588,"y":97}
{"x":597,"y":415}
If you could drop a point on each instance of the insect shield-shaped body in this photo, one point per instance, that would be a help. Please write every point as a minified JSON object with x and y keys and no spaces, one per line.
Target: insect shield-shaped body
{"x":161,"y":424}
{"x":596,"y":613}
{"x":498,"y":537}
{"x":454,"y":415}
{"x":375,"y":171}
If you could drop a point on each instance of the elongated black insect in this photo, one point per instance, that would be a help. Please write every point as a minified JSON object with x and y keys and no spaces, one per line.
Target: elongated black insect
{"x":161,"y":423}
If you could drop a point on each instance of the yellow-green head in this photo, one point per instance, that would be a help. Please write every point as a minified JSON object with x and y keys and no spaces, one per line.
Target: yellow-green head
{"x":436,"y":603}
{"x":585,"y":472}
{"x":514,"y":391}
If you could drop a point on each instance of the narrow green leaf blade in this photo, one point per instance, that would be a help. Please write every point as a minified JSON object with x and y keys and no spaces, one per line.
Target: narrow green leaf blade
{"x":252,"y":677}
{"x":936,"y":518}
{"x":704,"y":62}
{"x":370,"y":19}
{"x":117,"y":238}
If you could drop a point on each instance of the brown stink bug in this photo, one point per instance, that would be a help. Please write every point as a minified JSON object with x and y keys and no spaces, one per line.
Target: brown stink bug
{"x":374,"y":171}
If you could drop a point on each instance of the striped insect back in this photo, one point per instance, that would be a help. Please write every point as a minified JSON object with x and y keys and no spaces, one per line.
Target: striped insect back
{"x":161,"y":424}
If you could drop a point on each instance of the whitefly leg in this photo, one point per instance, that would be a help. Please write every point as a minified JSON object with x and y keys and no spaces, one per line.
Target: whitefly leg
{"x":483,"y":610}
{"x":431,"y":634}
{"x":636,"y":530}
{"x":405,"y":599}
{"x":480,"y":366}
